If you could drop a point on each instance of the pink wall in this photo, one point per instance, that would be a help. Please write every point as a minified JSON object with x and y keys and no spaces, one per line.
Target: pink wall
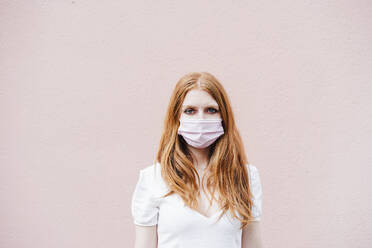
{"x":84,"y":86}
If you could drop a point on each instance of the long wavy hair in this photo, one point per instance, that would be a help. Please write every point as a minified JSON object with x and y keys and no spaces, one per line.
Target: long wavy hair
{"x":226,"y":170}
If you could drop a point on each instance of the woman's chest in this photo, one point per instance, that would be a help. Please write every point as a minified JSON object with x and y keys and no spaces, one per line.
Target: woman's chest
{"x":176,"y":217}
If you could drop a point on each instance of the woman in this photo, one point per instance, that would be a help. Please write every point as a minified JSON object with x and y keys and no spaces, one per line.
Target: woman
{"x":200,"y":192}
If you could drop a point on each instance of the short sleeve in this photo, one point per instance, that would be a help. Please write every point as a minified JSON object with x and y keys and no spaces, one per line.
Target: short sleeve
{"x":144,"y":206}
{"x":256,"y":190}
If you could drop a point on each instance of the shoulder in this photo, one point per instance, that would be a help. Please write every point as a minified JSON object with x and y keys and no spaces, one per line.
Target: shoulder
{"x":147,"y":182}
{"x":252,"y":170}
{"x":151,"y":171}
{"x":151,"y":175}
{"x":254,"y":176}
{"x":256,"y":190}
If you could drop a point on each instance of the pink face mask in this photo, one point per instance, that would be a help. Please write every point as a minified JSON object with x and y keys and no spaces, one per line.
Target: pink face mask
{"x":200,"y":133}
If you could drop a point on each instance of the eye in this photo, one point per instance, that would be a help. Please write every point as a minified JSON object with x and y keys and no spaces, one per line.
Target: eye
{"x":210,"y":110}
{"x":213,"y":110}
{"x":188,"y":112}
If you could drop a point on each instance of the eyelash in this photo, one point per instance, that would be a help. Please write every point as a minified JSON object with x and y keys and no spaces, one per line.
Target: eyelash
{"x":208,"y":109}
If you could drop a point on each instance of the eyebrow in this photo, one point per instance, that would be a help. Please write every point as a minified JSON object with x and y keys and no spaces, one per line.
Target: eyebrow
{"x":208,"y":106}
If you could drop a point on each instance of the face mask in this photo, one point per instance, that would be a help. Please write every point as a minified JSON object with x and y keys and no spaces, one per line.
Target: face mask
{"x":200,"y":133}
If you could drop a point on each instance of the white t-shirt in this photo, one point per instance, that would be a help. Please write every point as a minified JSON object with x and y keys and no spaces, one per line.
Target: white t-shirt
{"x":180,"y":226}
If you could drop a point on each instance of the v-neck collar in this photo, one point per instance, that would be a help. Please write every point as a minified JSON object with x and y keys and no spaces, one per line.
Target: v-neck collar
{"x":202,"y":215}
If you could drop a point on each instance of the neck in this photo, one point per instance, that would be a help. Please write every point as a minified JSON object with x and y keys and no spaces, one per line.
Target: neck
{"x":200,"y":156}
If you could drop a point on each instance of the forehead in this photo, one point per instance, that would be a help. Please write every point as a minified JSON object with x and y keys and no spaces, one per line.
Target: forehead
{"x":198,"y":97}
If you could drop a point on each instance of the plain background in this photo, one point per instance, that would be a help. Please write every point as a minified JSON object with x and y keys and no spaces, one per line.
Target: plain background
{"x":84,"y":89}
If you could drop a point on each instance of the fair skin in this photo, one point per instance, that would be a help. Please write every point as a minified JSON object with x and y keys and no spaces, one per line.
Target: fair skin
{"x":198,"y":104}
{"x":146,"y":237}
